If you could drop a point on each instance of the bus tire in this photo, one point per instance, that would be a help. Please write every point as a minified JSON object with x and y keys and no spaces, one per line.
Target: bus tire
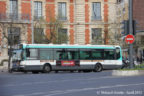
{"x":46,"y":68}
{"x":72,"y":71}
{"x":56,"y":71}
{"x":98,"y":68}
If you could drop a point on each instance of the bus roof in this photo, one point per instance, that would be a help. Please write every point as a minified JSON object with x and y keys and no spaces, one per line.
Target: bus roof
{"x":68,"y":46}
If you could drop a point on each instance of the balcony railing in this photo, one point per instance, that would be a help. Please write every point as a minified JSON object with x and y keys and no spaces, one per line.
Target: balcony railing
{"x":10,"y":17}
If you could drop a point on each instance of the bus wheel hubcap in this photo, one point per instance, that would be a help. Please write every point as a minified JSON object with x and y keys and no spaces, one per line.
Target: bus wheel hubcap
{"x":47,"y":69}
{"x":98,"y":68}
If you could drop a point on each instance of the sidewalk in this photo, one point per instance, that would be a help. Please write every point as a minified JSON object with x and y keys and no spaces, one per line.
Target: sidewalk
{"x":3,"y":69}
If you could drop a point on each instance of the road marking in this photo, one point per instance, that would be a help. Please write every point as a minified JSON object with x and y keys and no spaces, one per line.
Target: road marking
{"x":60,"y":92}
{"x":32,"y":94}
{"x":55,"y":81}
{"x":89,"y":89}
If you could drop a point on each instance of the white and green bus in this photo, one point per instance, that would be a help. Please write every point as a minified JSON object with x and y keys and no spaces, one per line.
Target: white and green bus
{"x":48,"y":57}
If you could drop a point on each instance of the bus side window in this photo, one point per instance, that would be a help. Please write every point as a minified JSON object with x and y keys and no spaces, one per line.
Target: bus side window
{"x":73,"y":54}
{"x":32,"y":53}
{"x":64,"y":55}
{"x":109,"y":54}
{"x":46,"y":54}
{"x":85,"y":55}
{"x":97,"y":54}
{"x":60,"y":54}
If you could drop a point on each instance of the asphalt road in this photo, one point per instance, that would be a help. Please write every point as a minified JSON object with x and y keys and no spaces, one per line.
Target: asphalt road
{"x":70,"y":84}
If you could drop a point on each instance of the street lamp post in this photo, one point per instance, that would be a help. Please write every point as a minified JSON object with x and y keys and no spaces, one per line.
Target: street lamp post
{"x":10,"y":41}
{"x":131,"y":32}
{"x":32,"y":22}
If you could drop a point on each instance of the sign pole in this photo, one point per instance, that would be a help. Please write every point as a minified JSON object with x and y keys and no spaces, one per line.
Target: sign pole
{"x":32,"y":30}
{"x":131,"y":32}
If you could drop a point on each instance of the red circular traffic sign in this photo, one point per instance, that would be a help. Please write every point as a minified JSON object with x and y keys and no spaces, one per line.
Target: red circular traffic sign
{"x":129,"y":39}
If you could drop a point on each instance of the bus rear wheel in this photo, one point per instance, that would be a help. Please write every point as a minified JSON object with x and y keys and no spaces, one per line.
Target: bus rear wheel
{"x":98,"y":68}
{"x":46,"y":69}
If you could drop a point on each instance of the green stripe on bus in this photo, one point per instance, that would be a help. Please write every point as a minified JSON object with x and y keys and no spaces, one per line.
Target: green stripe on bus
{"x":91,"y":47}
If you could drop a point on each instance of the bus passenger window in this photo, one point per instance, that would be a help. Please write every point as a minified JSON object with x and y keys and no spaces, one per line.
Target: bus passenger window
{"x":73,"y":55}
{"x":109,"y":54}
{"x":97,"y":54}
{"x":32,"y":53}
{"x":46,"y":54}
{"x":85,"y":55}
{"x":62,"y":55}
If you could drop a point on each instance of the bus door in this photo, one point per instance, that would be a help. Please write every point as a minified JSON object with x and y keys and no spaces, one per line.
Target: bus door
{"x":109,"y":56}
{"x":32,"y":57}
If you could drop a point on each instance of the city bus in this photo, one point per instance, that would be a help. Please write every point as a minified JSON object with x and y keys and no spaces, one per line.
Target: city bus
{"x":49,"y":57}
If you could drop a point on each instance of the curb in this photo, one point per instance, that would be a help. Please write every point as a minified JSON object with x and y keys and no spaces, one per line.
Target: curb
{"x":127,"y":73}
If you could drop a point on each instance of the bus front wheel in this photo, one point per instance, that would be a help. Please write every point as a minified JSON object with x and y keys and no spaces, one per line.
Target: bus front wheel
{"x":98,"y":68}
{"x":46,"y":69}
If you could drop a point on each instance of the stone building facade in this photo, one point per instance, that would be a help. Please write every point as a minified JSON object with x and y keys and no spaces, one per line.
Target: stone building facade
{"x":138,"y":15}
{"x":85,"y":21}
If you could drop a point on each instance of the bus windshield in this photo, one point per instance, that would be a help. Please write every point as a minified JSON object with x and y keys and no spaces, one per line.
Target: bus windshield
{"x":17,"y":55}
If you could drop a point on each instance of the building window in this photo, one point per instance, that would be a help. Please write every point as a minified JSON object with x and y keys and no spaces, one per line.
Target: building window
{"x":62,"y":11}
{"x":37,"y":9}
{"x":96,"y":11}
{"x":62,"y":36}
{"x":13,"y":36}
{"x":39,"y":36}
{"x":96,"y":36}
{"x":13,"y":9}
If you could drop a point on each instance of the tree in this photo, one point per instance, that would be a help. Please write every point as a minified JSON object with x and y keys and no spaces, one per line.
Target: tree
{"x":53,"y":25}
{"x":10,"y":32}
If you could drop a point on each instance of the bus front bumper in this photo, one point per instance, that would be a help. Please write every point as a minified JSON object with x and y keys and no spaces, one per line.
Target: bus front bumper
{"x":23,"y":68}
{"x":20,"y":68}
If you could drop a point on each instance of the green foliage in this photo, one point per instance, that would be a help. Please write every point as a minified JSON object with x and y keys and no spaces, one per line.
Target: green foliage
{"x":39,"y":36}
{"x":54,"y":37}
{"x":137,"y":67}
{"x":62,"y":37}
